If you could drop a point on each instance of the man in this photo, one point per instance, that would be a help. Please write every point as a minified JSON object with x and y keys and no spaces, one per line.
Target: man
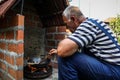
{"x":87,"y":54}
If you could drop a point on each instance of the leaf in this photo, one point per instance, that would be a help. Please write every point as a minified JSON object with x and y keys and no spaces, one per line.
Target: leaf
{"x":115,"y":26}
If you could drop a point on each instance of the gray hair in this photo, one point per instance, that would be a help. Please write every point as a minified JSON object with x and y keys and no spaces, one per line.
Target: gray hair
{"x":72,"y":10}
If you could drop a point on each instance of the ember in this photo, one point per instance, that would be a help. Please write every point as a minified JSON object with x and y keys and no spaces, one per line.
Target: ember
{"x":37,"y":73}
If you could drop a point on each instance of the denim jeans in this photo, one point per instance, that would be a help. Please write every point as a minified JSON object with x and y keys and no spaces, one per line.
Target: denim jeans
{"x":81,"y":66}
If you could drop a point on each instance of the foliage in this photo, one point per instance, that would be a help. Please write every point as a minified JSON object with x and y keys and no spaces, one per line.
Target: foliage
{"x":115,"y":26}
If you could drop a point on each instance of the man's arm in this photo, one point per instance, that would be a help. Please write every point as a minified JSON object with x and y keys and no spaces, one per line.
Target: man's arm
{"x":66,"y":48}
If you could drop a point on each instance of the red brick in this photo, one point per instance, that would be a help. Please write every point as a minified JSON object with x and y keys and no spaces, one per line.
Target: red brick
{"x":2,"y":76}
{"x":12,"y":47}
{"x":3,"y":66}
{"x":9,"y":59}
{"x":36,"y":18}
{"x":20,"y":20}
{"x":2,"y":45}
{"x":12,"y":72}
{"x":48,"y":49}
{"x":50,"y":43}
{"x":14,"y":20}
{"x":62,"y":29}
{"x":33,"y":24}
{"x":10,"y":35}
{"x":19,"y":61}
{"x":49,"y":36}
{"x":2,"y":22}
{"x":59,"y":36}
{"x":2,"y":56}
{"x":11,"y":19}
{"x":27,"y":17}
{"x":20,"y":35}
{"x":7,"y":78}
{"x":51,"y":30}
{"x":27,"y":21}
{"x":18,"y":48}
{"x":2,"y":36}
{"x":19,"y":75}
{"x":40,"y":24}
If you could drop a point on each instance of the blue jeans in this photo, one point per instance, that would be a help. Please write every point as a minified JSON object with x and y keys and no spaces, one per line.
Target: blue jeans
{"x":81,"y":66}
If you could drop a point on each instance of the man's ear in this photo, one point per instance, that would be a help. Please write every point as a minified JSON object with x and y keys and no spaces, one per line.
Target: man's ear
{"x":72,"y":18}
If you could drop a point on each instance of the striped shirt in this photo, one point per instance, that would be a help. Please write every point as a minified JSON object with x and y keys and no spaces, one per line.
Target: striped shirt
{"x":96,"y":41}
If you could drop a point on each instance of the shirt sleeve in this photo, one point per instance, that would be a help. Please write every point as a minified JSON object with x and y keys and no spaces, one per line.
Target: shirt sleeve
{"x":85,"y":34}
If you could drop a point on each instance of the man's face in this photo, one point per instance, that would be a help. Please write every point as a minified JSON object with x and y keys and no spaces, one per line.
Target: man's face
{"x":70,"y":24}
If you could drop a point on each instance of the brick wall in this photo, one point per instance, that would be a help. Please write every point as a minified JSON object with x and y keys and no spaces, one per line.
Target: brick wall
{"x":34,"y":33}
{"x":52,"y":37}
{"x":39,"y":39}
{"x":11,"y":47}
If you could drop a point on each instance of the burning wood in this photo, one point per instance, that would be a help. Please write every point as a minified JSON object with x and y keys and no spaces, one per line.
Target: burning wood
{"x":31,"y":72}
{"x":33,"y":69}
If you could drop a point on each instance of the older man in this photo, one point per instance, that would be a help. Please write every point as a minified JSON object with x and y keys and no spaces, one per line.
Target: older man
{"x":89,"y":53}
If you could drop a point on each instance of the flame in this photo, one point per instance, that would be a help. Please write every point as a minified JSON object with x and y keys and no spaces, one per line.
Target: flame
{"x":33,"y":69}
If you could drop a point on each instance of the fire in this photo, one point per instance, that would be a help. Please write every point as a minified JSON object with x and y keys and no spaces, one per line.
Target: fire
{"x":33,"y":69}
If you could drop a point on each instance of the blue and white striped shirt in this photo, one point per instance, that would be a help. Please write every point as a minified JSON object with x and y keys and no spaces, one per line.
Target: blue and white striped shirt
{"x":96,"y":41}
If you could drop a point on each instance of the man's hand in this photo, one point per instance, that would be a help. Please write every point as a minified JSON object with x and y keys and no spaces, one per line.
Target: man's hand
{"x":65,"y":48}
{"x":53,"y":51}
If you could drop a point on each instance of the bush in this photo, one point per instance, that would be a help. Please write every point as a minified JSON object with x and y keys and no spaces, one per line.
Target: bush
{"x":115,"y":26}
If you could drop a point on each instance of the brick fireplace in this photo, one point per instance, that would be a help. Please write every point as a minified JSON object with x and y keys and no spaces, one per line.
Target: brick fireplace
{"x":23,"y":36}
{"x":12,"y":48}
